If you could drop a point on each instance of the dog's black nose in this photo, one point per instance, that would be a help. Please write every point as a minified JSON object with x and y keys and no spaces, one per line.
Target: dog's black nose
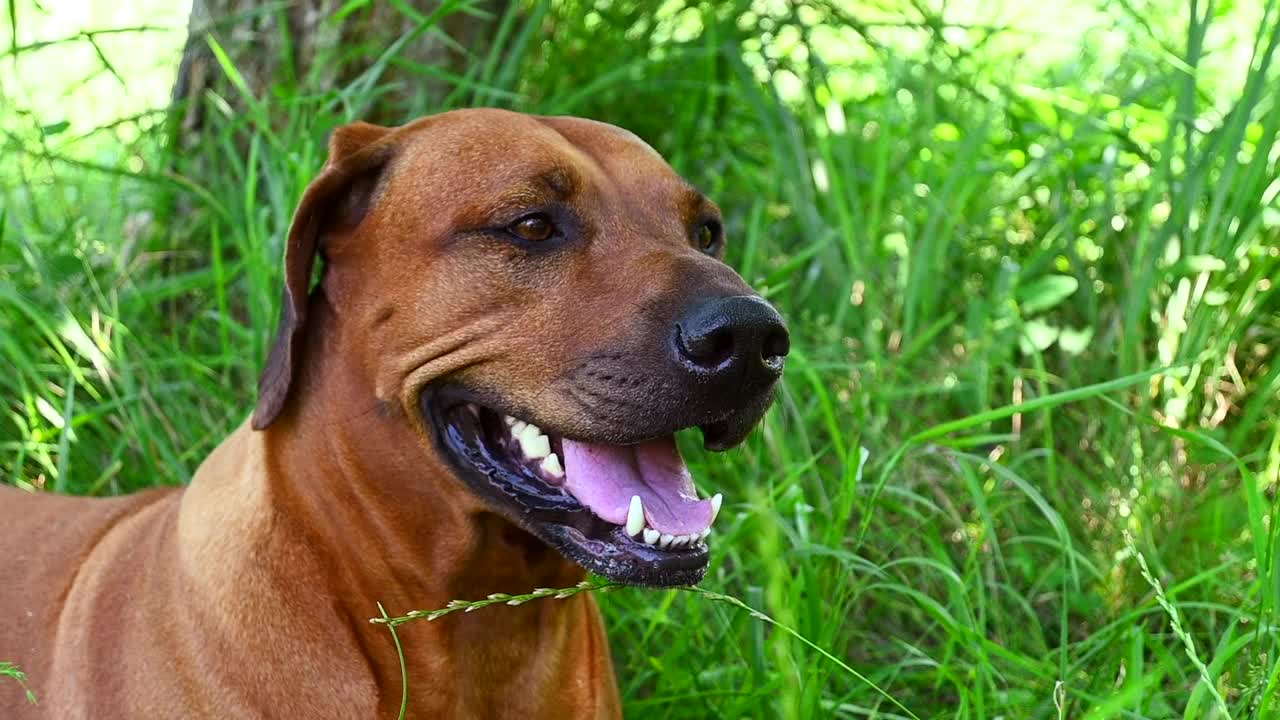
{"x":739,"y":339}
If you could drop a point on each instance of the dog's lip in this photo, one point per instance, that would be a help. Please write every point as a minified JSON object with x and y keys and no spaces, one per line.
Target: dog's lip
{"x":550,"y":512}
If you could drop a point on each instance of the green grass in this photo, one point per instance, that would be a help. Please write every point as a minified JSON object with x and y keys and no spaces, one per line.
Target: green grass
{"x":1025,"y":460}
{"x":11,"y":672}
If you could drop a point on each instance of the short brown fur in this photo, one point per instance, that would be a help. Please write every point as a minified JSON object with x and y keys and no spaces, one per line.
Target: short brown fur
{"x":248,"y":593}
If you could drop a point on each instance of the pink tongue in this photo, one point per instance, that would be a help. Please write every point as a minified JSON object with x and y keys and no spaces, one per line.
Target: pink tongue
{"x":604,"y":477}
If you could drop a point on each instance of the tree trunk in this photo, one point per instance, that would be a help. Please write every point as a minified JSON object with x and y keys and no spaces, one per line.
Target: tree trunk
{"x":302,"y":46}
{"x":258,"y":67}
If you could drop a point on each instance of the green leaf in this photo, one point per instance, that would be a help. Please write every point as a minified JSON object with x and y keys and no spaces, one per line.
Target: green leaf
{"x":946,"y":132}
{"x":1037,"y":336}
{"x":1196,"y":264}
{"x":1073,"y":341}
{"x":350,"y":7}
{"x":1045,"y":293}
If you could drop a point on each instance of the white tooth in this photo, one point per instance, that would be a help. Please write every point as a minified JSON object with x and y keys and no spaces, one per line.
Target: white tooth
{"x":651,"y":536}
{"x":533,"y":443}
{"x":716,"y":501}
{"x":517,"y":427}
{"x":509,"y":420}
{"x":665,"y":540}
{"x":537,"y":448}
{"x":528,"y":430}
{"x":635,"y":516}
{"x":682,"y":540}
{"x":704,"y":534}
{"x":551,"y":466}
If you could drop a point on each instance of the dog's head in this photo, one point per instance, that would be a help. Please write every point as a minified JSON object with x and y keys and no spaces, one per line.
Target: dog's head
{"x":544,"y":299}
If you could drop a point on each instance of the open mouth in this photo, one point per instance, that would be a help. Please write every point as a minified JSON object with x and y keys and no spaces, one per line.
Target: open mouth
{"x":628,"y":512}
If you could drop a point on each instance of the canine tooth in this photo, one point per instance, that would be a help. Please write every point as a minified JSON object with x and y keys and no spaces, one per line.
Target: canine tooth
{"x":551,"y":466}
{"x":651,"y":536}
{"x":517,"y":427}
{"x":509,"y":420}
{"x":665,"y":540}
{"x":716,"y":501}
{"x":635,"y":516}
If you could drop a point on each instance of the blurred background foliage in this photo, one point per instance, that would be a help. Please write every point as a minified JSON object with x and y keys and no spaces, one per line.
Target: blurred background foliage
{"x":1029,"y":252}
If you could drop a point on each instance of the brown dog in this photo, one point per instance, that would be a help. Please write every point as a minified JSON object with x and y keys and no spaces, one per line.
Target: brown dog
{"x":480,"y":266}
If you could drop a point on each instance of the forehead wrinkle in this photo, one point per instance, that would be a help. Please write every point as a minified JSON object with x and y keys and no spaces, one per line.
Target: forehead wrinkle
{"x":555,"y":184}
{"x":590,"y":152}
{"x":560,"y":181}
{"x":520,"y":196}
{"x":627,"y":171}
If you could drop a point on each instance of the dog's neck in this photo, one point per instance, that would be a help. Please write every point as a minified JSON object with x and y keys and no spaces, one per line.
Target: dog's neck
{"x":386,"y":499}
{"x":342,"y":492}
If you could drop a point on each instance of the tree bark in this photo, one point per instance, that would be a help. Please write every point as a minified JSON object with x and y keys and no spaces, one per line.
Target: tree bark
{"x":302,"y":46}
{"x":288,"y":57}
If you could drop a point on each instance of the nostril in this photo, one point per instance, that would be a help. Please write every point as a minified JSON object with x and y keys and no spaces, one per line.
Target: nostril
{"x":710,"y":348}
{"x":735,"y":339}
{"x":776,"y":346}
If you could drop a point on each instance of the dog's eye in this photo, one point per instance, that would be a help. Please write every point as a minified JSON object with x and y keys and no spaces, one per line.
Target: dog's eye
{"x":534,"y":228}
{"x":708,"y":236}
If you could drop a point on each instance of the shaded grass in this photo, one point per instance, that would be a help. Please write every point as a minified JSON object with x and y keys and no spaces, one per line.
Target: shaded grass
{"x":1043,"y":300}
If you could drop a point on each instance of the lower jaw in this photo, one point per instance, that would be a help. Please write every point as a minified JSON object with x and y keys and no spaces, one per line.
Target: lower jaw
{"x":620,"y":562}
{"x":616,"y":556}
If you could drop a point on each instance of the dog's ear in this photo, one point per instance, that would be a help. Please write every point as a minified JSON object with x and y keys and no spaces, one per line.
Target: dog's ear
{"x":336,"y":201}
